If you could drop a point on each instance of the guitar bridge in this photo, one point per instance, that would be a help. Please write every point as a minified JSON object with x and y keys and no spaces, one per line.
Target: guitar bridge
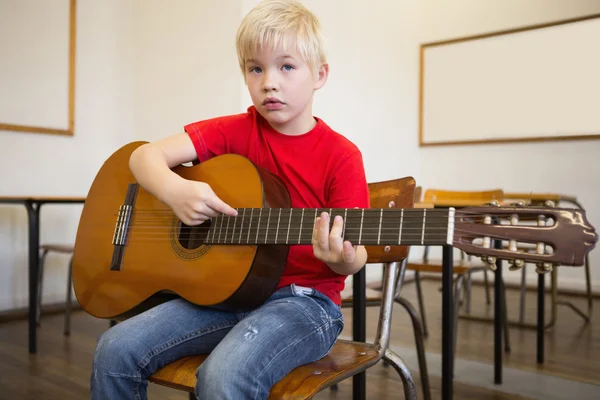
{"x":122,"y":227}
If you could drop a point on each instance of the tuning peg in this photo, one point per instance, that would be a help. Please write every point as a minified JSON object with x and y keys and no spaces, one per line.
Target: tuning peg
{"x":543,"y":268}
{"x":490,"y":262}
{"x":515,"y":265}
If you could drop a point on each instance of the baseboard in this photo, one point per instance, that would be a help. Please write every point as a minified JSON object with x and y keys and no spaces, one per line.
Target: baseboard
{"x":17,"y":314}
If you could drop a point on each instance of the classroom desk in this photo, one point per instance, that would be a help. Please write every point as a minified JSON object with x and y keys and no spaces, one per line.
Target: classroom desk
{"x":33,"y":205}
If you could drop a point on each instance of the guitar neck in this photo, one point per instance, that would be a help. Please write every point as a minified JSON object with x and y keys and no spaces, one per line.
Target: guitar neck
{"x":294,"y":226}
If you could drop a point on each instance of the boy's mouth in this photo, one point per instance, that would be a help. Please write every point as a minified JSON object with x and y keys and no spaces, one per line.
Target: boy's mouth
{"x":273,"y":103}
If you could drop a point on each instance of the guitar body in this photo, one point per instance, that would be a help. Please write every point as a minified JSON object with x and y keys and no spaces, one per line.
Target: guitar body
{"x":155,"y":261}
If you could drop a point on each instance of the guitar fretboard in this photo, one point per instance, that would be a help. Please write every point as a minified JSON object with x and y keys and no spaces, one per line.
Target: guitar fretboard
{"x":361,"y":226}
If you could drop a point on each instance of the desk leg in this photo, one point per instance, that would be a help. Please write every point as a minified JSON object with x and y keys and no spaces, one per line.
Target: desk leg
{"x":498,"y":301}
{"x":447,"y":323}
{"x":33,"y":214}
{"x":541,"y":318}
{"x":359,"y":334}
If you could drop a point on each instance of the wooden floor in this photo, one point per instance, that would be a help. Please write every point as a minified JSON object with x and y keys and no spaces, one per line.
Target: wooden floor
{"x":62,"y":366}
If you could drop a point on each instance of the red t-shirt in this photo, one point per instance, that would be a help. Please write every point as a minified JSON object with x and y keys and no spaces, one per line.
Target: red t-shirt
{"x":321,"y":169}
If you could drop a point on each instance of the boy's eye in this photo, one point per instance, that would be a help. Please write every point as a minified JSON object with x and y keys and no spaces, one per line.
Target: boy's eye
{"x":255,"y":69}
{"x":288,"y":67}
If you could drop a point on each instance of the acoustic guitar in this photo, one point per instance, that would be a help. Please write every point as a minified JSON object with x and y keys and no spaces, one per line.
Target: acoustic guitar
{"x":130,"y":246}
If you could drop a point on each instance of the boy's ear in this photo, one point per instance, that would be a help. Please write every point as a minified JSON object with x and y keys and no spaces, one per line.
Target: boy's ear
{"x":322,"y":75}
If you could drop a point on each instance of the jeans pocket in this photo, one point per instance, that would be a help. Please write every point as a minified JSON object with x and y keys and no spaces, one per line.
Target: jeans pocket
{"x":332,"y":311}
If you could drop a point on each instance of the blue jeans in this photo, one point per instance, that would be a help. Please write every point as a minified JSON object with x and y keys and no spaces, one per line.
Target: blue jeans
{"x":249,"y":351}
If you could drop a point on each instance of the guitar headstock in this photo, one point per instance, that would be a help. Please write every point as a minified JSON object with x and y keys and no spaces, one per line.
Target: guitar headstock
{"x":545,"y":236}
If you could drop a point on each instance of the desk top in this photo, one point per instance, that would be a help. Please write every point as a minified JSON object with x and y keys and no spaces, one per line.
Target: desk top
{"x":41,"y":199}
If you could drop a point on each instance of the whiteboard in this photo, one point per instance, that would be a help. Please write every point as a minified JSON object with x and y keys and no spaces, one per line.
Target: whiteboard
{"x":527,"y":84}
{"x":37,"y":65}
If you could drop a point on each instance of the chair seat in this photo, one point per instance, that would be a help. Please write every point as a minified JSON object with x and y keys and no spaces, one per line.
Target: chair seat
{"x":303,"y":382}
{"x":59,"y":248}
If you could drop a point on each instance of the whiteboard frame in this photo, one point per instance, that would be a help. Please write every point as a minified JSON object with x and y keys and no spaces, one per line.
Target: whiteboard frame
{"x":425,"y":46}
{"x":70,"y":130}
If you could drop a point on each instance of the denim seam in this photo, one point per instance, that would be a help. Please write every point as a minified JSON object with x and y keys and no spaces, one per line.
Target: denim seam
{"x":320,"y":329}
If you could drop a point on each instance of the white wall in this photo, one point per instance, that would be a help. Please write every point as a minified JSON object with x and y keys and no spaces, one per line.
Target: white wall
{"x":36,"y":164}
{"x":185,"y":64}
{"x":559,"y":167}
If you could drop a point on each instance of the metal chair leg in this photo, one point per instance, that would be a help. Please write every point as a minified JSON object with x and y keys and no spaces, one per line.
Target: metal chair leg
{"x":67,"y":329}
{"x":468,"y":293}
{"x":418,"y":332}
{"x":523,"y":294}
{"x":505,"y":320}
{"x":421,"y":303}
{"x":40,"y":286}
{"x":410,"y":390}
{"x":488,"y":299}
{"x":457,"y":288}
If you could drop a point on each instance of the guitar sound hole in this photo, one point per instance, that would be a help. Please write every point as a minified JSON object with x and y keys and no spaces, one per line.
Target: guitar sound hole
{"x":192,"y":237}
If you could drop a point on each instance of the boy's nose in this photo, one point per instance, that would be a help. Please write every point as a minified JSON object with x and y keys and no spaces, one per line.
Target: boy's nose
{"x":269,"y":83}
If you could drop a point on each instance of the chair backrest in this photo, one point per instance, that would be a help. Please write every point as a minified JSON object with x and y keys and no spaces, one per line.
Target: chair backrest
{"x":485,"y":196}
{"x":395,"y":193}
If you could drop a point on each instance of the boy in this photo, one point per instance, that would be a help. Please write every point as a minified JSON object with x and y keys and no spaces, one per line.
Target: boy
{"x":282,"y":59}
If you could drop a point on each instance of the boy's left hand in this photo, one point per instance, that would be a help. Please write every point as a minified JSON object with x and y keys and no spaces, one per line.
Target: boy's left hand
{"x":330,"y":247}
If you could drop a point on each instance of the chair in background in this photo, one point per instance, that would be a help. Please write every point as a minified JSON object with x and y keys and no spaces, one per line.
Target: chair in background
{"x":467,"y":266}
{"x":552,"y":200}
{"x":346,"y":358}
{"x":57,"y":248}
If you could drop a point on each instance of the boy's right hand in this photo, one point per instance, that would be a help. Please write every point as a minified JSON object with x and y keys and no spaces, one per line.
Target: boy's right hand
{"x":195,"y":202}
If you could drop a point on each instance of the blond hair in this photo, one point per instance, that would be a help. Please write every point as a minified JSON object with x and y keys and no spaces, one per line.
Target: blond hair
{"x":285,"y":23}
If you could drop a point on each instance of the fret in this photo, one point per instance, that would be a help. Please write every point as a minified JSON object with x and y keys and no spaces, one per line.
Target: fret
{"x":242,"y":225}
{"x":423,"y":230}
{"x":249,"y":225}
{"x":400,"y":229}
{"x":220,"y":228}
{"x":227,"y":228}
{"x":287,"y":236}
{"x":267,"y":228}
{"x":379,"y":231}
{"x":277,"y":230}
{"x":235,"y":220}
{"x":258,"y":225}
{"x":300,"y":230}
{"x":362,"y":217}
{"x":312,"y":235}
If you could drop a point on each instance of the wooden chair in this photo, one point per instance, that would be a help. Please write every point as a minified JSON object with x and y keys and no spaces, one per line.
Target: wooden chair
{"x":57,"y":248}
{"x":467,"y":266}
{"x":346,"y":358}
